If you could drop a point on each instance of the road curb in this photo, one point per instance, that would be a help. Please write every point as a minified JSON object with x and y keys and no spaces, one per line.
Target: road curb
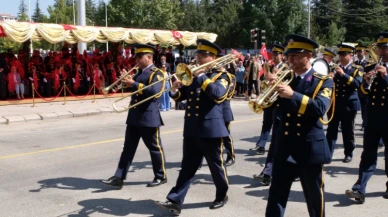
{"x":32,"y":117}
{"x":48,"y":115}
{"x":14,"y":118}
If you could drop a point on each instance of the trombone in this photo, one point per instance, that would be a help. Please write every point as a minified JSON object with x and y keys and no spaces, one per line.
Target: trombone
{"x":117,"y":85}
{"x":184,"y":73}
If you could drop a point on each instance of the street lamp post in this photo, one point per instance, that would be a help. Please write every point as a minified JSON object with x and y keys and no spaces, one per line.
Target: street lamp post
{"x":106,"y":20}
{"x":308,"y":19}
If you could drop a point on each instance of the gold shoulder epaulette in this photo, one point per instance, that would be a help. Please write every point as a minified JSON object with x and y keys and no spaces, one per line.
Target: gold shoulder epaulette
{"x":320,"y":76}
{"x":356,"y":66}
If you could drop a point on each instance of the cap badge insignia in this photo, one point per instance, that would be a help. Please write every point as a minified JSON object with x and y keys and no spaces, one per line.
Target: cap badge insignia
{"x":291,"y":41}
{"x":381,"y":37}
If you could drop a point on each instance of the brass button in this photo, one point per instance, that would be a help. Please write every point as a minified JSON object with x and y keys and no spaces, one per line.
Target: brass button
{"x":287,"y":124}
{"x":299,"y":115}
{"x":383,"y":97}
{"x":286,"y":133}
{"x":189,"y":100}
{"x":189,"y":114}
{"x":382,"y":104}
{"x":188,"y":107}
{"x":298,"y":124}
{"x":137,"y":94}
{"x":277,"y":105}
{"x":192,"y":92}
{"x":135,"y":100}
{"x":344,"y":85}
{"x":373,"y":103}
{"x":343,"y":95}
{"x":384,"y":90}
{"x":336,"y":90}
{"x":197,"y":99}
{"x":198,"y":91}
{"x":197,"y":107}
{"x":336,"y":95}
{"x":374,"y":90}
{"x":197,"y":115}
{"x":298,"y":134}
{"x":374,"y":97}
{"x":376,"y":83}
{"x":288,"y":115}
{"x":343,"y":90}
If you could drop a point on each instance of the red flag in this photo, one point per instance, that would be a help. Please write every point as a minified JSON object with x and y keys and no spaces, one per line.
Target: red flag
{"x":97,"y":79}
{"x":77,"y":82}
{"x":56,"y":81}
{"x":11,"y":82}
{"x":263,"y":51}
{"x":238,"y":55}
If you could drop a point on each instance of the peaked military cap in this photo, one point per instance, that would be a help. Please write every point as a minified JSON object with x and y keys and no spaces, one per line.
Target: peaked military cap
{"x":205,"y":46}
{"x":277,"y":47}
{"x":382,"y":39}
{"x":143,"y":48}
{"x":329,"y":52}
{"x":361,"y":47}
{"x":345,"y":48}
{"x":298,"y":44}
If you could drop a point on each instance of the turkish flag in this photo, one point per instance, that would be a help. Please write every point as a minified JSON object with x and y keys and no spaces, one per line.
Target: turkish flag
{"x":263,"y":51}
{"x":238,"y":55}
{"x":176,"y":34}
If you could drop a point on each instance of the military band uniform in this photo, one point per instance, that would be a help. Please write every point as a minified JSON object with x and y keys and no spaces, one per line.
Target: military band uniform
{"x":363,"y":99}
{"x":376,"y":127}
{"x":302,"y":148}
{"x":204,"y":129}
{"x":228,"y":118}
{"x":346,"y":107}
{"x":143,"y":121}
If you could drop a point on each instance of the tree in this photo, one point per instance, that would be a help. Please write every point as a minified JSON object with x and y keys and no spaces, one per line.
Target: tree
{"x":335,"y":35}
{"x":22,"y":14}
{"x":38,"y":16}
{"x":90,"y":10}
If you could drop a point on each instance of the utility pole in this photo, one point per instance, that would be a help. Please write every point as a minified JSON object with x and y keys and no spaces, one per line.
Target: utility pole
{"x":81,"y":22}
{"x":106,"y":20}
{"x":308,"y":18}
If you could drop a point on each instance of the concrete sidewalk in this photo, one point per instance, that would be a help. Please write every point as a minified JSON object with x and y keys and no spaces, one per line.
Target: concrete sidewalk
{"x":56,"y":110}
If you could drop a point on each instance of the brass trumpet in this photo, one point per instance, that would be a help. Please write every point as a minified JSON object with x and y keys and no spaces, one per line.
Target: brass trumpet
{"x":117,"y":85}
{"x":269,"y":95}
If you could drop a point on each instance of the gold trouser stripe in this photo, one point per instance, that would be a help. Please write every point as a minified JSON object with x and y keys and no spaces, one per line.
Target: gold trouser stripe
{"x":231,"y":141}
{"x":161,"y":151}
{"x":222,"y":163}
{"x":322,"y":195}
{"x":349,"y":81}
{"x":303,"y":105}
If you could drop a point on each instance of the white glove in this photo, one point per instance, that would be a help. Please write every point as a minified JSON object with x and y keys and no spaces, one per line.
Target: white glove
{"x":73,"y":80}
{"x":44,"y":80}
{"x":88,"y":78}
{"x":31,"y":79}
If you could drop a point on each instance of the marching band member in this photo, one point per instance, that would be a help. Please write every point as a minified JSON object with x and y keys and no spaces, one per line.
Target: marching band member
{"x":347,"y":79}
{"x":269,"y":121}
{"x":302,"y":148}
{"x":376,"y":126}
{"x":143,"y":121}
{"x":277,"y":57}
{"x":361,"y":61}
{"x":204,"y":128}
{"x":329,"y":55}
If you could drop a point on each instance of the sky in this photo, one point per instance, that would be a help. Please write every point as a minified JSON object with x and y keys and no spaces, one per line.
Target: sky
{"x":13,"y":8}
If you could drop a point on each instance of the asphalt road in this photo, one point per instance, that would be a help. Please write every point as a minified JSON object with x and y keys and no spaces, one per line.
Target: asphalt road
{"x":52,"y":168}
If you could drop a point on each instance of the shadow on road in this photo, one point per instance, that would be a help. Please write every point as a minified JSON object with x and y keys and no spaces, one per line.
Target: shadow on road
{"x":115,"y":207}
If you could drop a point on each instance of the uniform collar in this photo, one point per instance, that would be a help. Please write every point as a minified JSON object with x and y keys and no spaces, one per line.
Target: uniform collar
{"x":304,"y":74}
{"x":345,"y":67}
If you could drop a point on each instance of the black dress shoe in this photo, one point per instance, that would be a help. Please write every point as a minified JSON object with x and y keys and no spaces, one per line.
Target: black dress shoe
{"x":260,"y":151}
{"x":156,"y":182}
{"x":173,"y":208}
{"x":229,"y":162}
{"x":381,"y":145}
{"x":347,"y":159}
{"x":255,"y":148}
{"x":218,"y":204}
{"x":264,"y":179}
{"x":114,"y":182}
{"x":386,"y":191}
{"x":360,"y":198}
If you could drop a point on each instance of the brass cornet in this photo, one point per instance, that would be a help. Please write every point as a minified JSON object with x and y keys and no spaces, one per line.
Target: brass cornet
{"x":269,"y":95}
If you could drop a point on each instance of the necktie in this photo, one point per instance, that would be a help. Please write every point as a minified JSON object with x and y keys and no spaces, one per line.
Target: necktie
{"x":296,"y":82}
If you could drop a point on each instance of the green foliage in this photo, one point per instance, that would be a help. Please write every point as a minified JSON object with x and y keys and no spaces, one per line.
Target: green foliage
{"x":6,"y":43}
{"x":335,"y":35}
{"x":61,"y":12}
{"x":38,"y":16}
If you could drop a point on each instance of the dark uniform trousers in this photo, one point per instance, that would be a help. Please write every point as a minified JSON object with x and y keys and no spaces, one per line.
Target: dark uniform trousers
{"x":301,"y":148}
{"x":228,"y":143}
{"x":375,"y":129}
{"x":346,"y":107}
{"x":266,"y":128}
{"x":272,"y":147}
{"x":194,"y":148}
{"x":151,"y":138}
{"x":204,"y":130}
{"x":143,"y":121}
